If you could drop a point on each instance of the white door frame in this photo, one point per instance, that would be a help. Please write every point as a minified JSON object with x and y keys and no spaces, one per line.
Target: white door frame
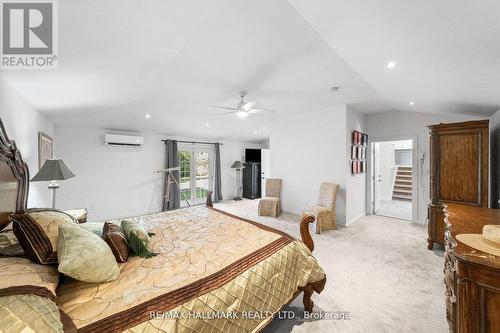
{"x":371,"y":175}
{"x":265,"y":169}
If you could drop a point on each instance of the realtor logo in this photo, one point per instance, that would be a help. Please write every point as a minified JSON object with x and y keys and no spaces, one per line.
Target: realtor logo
{"x":29,"y":34}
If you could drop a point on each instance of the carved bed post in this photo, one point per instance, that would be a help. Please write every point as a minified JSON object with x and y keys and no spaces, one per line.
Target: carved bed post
{"x":209,"y":202}
{"x":308,"y":303}
{"x":14,"y":184}
{"x":305,"y":234}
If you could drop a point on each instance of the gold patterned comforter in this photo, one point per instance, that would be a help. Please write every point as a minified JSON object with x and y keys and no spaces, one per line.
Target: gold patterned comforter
{"x":214,"y":273}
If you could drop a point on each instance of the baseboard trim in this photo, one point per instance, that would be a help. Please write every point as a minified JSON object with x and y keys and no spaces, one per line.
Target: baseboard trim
{"x":354,"y":219}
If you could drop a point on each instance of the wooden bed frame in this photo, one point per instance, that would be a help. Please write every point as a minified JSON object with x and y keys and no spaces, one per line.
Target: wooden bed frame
{"x":14,"y":178}
{"x":14,"y":186}
{"x":305,"y":234}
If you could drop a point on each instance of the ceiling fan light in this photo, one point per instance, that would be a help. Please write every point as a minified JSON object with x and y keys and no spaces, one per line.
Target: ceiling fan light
{"x":242,"y":114}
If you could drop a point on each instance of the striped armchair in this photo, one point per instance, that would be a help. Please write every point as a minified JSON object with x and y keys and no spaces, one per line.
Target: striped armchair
{"x":271,"y":204}
{"x":324,"y":211}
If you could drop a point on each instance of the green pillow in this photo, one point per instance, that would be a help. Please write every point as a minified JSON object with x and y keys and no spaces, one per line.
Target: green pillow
{"x":93,"y":227}
{"x":85,"y":256}
{"x":138,"y":239}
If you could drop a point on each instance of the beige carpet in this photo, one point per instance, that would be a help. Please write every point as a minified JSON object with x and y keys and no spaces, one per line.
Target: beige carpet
{"x":378,"y":269}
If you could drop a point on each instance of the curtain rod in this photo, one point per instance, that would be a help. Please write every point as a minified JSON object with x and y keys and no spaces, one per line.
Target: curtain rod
{"x":197,"y":142}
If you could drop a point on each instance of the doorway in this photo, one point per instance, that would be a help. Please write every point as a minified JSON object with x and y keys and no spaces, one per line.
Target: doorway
{"x":393,"y":178}
{"x":196,"y":173}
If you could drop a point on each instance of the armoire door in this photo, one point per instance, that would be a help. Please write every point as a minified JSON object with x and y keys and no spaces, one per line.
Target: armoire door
{"x":458,"y":170}
{"x":462,"y":166}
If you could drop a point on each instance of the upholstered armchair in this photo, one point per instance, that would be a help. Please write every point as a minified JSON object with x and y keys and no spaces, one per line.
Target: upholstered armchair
{"x":324,"y":211}
{"x":271,"y":204}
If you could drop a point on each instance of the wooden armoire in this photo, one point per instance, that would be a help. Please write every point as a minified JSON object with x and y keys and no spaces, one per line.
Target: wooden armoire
{"x":458,"y":170}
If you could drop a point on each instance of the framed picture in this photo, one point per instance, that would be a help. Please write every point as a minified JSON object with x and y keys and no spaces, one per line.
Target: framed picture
{"x":358,"y":152}
{"x":45,"y":148}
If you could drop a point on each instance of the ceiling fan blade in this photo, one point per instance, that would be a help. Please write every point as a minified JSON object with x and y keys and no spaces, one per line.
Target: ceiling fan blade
{"x":222,"y":107}
{"x":261,"y":111}
{"x":232,"y":112}
{"x":248,"y":105}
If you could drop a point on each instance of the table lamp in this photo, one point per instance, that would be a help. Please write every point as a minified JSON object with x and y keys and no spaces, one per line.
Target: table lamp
{"x":53,"y":170}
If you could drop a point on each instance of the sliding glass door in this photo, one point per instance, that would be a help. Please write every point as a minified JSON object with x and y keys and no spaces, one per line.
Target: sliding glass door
{"x":196,"y":164}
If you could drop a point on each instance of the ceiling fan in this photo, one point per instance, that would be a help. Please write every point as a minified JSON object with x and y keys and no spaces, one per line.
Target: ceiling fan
{"x":243,"y":108}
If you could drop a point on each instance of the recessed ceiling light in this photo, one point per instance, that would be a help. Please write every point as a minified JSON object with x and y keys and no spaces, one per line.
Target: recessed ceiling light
{"x":148,"y":116}
{"x":255,"y":132}
{"x":391,"y":65}
{"x":207,"y":125}
{"x":411,"y":103}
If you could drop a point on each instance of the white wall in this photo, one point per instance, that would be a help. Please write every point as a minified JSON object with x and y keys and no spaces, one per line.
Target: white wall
{"x":309,"y":149}
{"x":399,"y":124}
{"x":404,"y":157}
{"x":495,"y":159}
{"x":119,"y":181}
{"x":266,"y":144}
{"x":230,"y":152}
{"x":22,"y":123}
{"x":355,"y":184}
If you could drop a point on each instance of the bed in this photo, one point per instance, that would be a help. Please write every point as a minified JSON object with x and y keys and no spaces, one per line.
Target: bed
{"x":214,"y":272}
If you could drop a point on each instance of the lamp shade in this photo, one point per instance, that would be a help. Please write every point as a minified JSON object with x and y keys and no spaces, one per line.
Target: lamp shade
{"x":53,"y":169}
{"x":237,"y":165}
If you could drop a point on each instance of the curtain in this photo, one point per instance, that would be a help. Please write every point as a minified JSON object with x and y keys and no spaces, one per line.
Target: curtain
{"x":217,"y":175}
{"x":171,"y":161}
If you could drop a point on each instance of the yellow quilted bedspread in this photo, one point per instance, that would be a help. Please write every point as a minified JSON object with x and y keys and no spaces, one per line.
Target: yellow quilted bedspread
{"x":214,"y":273}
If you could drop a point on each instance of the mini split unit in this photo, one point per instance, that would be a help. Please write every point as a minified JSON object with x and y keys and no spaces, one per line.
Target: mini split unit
{"x":123,"y":140}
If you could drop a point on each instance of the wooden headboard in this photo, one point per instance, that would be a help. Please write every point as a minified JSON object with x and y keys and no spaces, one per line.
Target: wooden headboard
{"x":14,"y":178}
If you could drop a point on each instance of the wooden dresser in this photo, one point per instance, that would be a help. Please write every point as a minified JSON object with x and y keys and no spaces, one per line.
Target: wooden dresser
{"x":458,"y":170}
{"x":472,"y":277}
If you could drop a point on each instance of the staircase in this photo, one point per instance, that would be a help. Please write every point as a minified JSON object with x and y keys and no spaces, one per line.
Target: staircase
{"x":402,"y":189}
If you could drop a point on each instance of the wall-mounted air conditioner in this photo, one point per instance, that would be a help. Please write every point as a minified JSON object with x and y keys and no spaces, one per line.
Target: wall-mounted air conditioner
{"x":123,"y":140}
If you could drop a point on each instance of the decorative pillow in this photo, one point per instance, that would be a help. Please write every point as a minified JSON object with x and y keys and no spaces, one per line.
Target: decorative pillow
{"x":28,"y":298}
{"x":30,"y":313}
{"x":94,"y":227}
{"x":85,"y":256}
{"x":9,"y":245}
{"x":37,"y":232}
{"x":138,"y":239}
{"x":21,"y":274}
{"x":78,"y":214}
{"x":114,"y":236}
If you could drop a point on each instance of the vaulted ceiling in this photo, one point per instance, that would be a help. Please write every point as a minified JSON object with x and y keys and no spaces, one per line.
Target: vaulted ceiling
{"x":170,"y":59}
